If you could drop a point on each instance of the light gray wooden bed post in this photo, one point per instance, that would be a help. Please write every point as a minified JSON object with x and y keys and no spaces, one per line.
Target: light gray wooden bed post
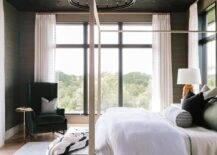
{"x":91,"y":81}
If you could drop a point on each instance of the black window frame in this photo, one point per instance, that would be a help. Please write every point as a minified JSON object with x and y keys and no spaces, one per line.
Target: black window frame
{"x":119,"y":46}
{"x":203,"y":40}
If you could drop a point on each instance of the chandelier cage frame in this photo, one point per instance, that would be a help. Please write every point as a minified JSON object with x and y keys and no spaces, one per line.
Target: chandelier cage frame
{"x":120,"y":4}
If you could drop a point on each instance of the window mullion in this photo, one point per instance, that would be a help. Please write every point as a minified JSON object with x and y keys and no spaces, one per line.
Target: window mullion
{"x":120,"y":73}
{"x":85,"y":87}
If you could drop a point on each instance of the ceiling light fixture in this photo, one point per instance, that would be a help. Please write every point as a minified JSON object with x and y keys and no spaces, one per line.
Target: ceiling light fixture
{"x":103,"y":5}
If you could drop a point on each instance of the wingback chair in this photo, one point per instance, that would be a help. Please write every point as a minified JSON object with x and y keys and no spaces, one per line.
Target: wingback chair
{"x":37,"y":122}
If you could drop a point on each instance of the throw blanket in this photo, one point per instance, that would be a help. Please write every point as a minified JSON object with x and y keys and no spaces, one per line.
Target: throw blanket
{"x":68,"y":143}
{"x":131,"y":131}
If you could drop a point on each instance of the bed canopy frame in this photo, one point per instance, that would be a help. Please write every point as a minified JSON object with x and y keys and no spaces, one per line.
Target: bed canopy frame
{"x":94,"y":19}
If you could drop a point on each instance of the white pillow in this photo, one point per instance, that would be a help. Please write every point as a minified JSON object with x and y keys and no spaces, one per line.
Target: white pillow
{"x":48,"y":106}
{"x":204,"y":88}
{"x":210,"y":93}
{"x":178,"y":116}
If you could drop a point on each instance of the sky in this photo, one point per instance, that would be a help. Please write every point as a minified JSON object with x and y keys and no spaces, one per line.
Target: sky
{"x":211,"y":55}
{"x":70,"y":61}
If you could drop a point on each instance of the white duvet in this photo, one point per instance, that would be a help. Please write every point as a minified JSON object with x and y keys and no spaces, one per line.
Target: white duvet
{"x":129,"y":131}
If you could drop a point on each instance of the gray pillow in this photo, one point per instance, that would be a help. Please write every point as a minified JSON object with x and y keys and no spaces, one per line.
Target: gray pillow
{"x":210,"y":93}
{"x":178,"y":116}
{"x":210,"y":116}
{"x":48,"y":106}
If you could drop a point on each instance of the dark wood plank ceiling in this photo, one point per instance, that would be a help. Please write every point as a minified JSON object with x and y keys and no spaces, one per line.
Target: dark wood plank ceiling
{"x":139,"y":6}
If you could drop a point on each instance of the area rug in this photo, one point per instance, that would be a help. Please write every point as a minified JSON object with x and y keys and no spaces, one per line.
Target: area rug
{"x":33,"y":148}
{"x":40,"y":148}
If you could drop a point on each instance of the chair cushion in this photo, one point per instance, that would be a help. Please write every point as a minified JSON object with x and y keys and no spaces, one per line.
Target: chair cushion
{"x":43,"y":119}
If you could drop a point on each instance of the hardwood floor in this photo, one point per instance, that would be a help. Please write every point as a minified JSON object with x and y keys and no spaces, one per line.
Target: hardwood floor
{"x":17,"y":141}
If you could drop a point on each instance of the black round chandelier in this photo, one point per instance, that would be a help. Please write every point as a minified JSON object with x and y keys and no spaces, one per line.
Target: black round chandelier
{"x":103,"y":5}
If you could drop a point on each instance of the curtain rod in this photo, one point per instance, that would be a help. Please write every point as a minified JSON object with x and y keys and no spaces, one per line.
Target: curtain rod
{"x":160,"y":31}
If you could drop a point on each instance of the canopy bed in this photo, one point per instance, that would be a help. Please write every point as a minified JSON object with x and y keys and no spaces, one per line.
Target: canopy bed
{"x":118,"y":131}
{"x":128,"y":131}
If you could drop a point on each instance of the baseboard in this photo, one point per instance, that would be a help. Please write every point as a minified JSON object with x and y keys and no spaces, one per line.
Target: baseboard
{"x":12,"y":131}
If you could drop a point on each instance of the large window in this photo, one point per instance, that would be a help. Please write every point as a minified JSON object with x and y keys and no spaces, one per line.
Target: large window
{"x":137,"y":37}
{"x":211,"y":64}
{"x":208,"y":47}
{"x":137,"y":75}
{"x":109,"y":77}
{"x":126,"y":66}
{"x":69,"y":72}
{"x":70,"y":67}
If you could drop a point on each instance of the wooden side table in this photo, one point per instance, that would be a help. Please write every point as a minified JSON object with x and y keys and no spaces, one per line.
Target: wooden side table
{"x":24,"y":110}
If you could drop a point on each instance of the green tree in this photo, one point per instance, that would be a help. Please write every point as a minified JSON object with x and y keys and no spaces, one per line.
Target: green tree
{"x":70,"y":92}
{"x":136,"y":89}
{"x":211,"y":81}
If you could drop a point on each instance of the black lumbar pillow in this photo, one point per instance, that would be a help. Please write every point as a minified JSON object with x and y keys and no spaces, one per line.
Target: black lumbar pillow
{"x":195,"y":106}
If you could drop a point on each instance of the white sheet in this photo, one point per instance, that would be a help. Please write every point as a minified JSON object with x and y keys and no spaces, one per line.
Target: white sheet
{"x":131,"y":131}
{"x":200,"y":141}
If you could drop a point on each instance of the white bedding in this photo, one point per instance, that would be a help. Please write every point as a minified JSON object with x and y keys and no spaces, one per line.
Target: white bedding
{"x":200,"y":141}
{"x":128,"y":131}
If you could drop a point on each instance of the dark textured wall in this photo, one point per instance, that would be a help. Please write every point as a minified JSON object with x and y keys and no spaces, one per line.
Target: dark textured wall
{"x":12,"y":63}
{"x":179,"y":21}
{"x":27,"y":29}
{"x":19,"y":60}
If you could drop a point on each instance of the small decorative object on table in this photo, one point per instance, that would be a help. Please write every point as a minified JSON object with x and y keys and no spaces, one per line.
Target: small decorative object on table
{"x":188,"y":77}
{"x":24,"y":110}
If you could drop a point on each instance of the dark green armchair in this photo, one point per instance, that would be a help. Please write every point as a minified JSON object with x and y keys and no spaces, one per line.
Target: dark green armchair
{"x":37,"y":122}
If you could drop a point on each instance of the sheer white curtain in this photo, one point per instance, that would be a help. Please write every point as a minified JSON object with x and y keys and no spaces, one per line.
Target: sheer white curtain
{"x":162,"y":88}
{"x":193,"y":57}
{"x":2,"y":76}
{"x":45,"y":45}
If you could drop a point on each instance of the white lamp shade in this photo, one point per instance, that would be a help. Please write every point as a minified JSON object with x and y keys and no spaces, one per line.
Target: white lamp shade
{"x":189,"y":76}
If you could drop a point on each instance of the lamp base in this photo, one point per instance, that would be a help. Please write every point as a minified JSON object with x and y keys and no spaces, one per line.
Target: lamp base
{"x":186,"y":89}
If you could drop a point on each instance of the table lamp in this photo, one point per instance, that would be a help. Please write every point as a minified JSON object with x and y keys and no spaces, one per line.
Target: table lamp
{"x":188,"y":77}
